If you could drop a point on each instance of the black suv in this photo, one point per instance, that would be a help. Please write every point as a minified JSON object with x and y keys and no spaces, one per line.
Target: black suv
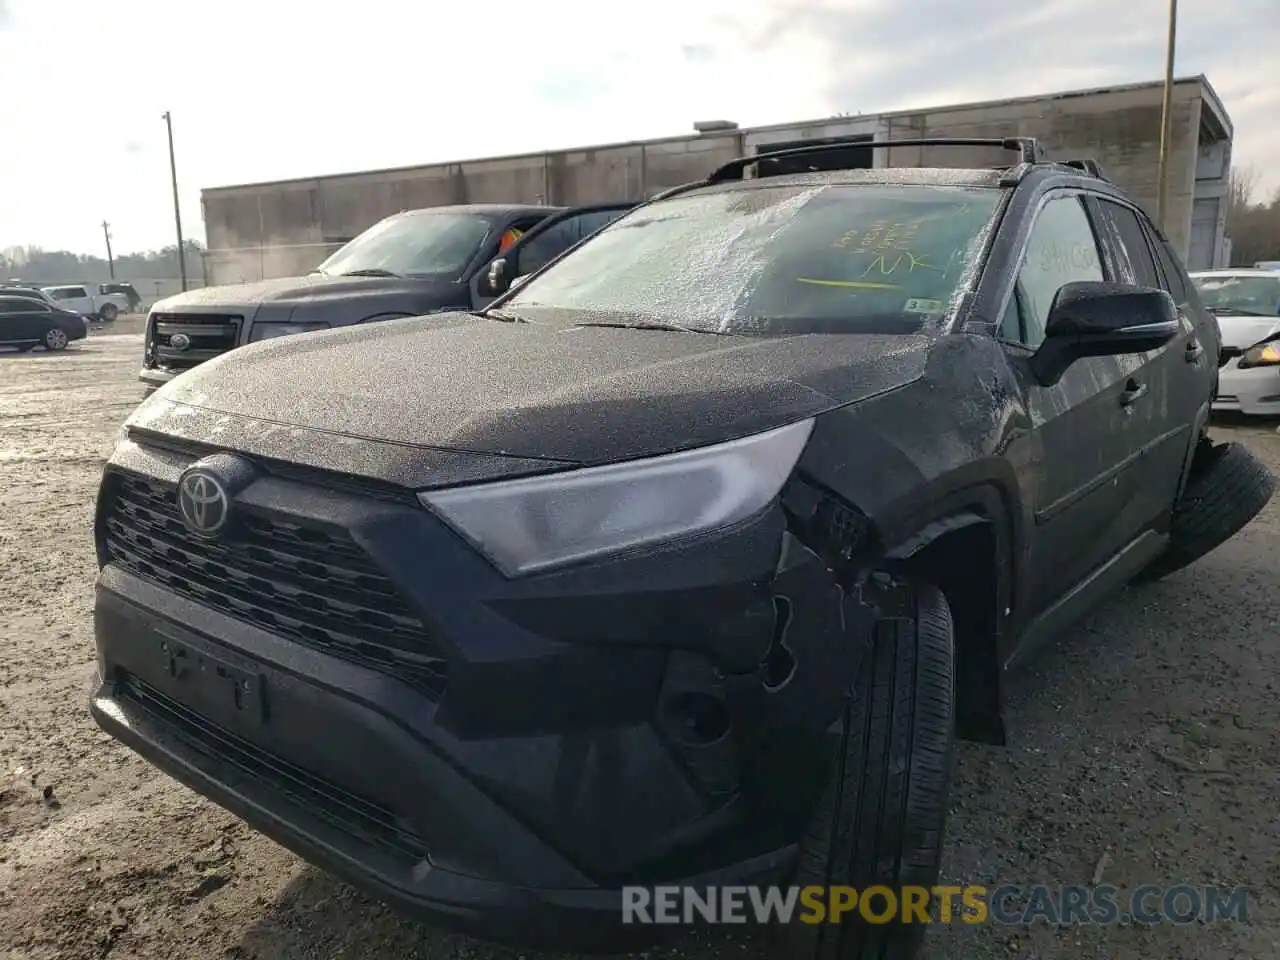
{"x":410,"y":264}
{"x":684,"y":562}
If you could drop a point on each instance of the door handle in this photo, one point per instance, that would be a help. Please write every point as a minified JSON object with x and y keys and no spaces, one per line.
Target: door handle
{"x":1194,"y":351}
{"x":1132,"y":391}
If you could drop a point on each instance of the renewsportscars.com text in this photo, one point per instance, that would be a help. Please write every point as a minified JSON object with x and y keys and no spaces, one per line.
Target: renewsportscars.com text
{"x":1009,"y":904}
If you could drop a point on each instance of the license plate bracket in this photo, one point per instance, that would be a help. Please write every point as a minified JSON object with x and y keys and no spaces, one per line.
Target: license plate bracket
{"x":231,"y":688}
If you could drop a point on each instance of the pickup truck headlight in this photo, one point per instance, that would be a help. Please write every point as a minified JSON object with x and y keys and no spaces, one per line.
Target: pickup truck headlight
{"x":267,"y":330}
{"x":538,"y":523}
{"x":1261,"y":355}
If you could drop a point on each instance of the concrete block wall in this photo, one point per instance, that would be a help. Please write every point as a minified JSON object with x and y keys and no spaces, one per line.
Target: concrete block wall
{"x":258,"y":230}
{"x":329,"y":209}
{"x":1118,"y":129}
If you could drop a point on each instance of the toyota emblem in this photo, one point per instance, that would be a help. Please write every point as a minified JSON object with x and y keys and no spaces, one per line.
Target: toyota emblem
{"x":179,"y":341}
{"x":203,"y":503}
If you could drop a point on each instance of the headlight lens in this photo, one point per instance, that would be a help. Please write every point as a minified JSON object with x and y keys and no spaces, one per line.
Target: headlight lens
{"x":268,"y":331}
{"x":538,"y":523}
{"x":1263,"y":355}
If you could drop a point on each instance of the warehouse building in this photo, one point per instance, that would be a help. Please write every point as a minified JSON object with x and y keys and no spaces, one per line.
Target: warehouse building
{"x":285,"y":228}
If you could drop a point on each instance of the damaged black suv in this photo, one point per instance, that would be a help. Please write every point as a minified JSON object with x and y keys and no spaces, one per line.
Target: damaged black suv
{"x":684,"y":562}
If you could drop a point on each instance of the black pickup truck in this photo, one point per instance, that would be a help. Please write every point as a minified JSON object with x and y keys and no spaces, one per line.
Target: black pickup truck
{"x":413,"y":263}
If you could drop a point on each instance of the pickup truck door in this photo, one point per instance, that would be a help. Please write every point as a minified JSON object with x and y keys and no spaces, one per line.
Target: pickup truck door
{"x":76,"y":299}
{"x":548,"y":240}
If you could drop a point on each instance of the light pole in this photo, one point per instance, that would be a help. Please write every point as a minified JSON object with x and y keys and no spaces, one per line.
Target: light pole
{"x":1166,"y":119}
{"x":177,"y":209}
{"x":106,"y":235}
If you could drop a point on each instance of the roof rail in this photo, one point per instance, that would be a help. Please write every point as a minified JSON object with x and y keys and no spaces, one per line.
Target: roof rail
{"x":1028,"y":147}
{"x":1091,"y":167}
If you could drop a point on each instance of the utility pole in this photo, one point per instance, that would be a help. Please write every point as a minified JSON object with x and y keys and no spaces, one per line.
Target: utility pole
{"x":106,"y":235}
{"x":177,"y":209}
{"x":1166,"y":120}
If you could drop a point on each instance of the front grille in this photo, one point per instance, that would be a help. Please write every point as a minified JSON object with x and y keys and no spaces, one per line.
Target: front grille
{"x":314,"y":586}
{"x":1227,"y":354}
{"x":208,"y":334}
{"x":356,"y":816}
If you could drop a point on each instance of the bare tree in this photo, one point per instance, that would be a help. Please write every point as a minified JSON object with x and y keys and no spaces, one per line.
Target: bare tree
{"x":1244,"y":186}
{"x":1254,"y":227}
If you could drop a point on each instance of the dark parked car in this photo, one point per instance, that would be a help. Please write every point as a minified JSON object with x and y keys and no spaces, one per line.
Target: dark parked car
{"x":410,"y":264}
{"x":28,"y":321}
{"x":684,"y":562}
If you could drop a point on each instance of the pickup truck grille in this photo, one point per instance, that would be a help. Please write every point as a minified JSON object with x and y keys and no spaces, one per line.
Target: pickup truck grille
{"x":207,"y":335}
{"x":314,"y":586}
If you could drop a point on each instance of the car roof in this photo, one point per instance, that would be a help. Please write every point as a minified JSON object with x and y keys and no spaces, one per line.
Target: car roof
{"x":487,"y":209}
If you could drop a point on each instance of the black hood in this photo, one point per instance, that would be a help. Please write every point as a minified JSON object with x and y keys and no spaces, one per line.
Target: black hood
{"x":322,"y":298}
{"x":539,"y":394}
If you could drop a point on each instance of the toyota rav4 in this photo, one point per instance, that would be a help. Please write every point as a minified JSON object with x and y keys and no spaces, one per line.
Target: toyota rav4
{"x":685,"y":561}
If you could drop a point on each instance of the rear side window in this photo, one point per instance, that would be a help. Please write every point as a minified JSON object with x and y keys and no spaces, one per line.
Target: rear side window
{"x":22,"y":305}
{"x":1130,"y":249}
{"x":556,"y":239}
{"x":1175,"y":277}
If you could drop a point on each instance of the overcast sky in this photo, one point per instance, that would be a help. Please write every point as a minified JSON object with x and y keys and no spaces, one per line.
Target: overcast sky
{"x":267,"y":89}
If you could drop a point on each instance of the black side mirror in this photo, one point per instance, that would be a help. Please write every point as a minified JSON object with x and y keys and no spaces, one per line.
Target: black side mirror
{"x":497,"y":277}
{"x":1091,"y":319}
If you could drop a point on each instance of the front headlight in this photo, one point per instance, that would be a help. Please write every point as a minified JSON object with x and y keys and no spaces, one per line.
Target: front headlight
{"x":268,"y":330}
{"x":1262,"y":355}
{"x":542,"y":522}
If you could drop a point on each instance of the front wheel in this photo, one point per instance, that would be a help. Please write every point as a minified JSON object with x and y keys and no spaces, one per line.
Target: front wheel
{"x":881,"y":818}
{"x":108,"y":313}
{"x":55,"y":339}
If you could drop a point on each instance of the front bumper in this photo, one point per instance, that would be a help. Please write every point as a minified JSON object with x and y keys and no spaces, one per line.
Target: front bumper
{"x":1254,"y":391}
{"x":553,"y":768}
{"x":348,"y":835}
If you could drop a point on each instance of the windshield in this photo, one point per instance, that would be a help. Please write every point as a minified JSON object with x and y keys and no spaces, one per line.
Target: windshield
{"x":436,"y":245}
{"x":824,"y":258}
{"x":1241,"y":293}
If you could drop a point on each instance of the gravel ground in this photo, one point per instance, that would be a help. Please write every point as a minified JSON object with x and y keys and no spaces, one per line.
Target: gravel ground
{"x":1143,"y":748}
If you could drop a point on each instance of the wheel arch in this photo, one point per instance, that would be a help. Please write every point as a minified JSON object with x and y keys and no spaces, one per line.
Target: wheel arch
{"x":964,"y":545}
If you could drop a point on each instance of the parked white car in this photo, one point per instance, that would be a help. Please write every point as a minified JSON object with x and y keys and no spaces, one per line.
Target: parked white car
{"x":86,"y":301}
{"x":1247,"y":305}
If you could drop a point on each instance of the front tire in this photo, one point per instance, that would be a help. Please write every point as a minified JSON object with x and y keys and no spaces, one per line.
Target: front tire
{"x":881,"y":818}
{"x":55,"y":339}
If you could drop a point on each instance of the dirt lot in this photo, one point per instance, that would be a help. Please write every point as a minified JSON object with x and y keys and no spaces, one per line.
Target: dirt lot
{"x":1144,"y":745}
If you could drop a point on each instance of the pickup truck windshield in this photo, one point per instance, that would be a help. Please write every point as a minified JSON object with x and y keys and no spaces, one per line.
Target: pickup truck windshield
{"x":826,"y":258}
{"x":437,"y":245}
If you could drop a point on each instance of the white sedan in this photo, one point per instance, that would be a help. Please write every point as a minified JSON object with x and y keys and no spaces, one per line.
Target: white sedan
{"x":1247,"y":305}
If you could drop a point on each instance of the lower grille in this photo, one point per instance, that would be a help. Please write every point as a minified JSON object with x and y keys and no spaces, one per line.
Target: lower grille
{"x":179,"y":341}
{"x":352,"y":814}
{"x":313,"y":586}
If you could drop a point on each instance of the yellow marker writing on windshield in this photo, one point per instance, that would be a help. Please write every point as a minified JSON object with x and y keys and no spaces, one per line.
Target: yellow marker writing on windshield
{"x":855,"y":284}
{"x":911,"y":261}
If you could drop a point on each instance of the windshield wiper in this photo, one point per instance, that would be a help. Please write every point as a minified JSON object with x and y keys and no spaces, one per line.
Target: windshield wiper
{"x":503,"y":316}
{"x":371,"y":272}
{"x":642,"y":325}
